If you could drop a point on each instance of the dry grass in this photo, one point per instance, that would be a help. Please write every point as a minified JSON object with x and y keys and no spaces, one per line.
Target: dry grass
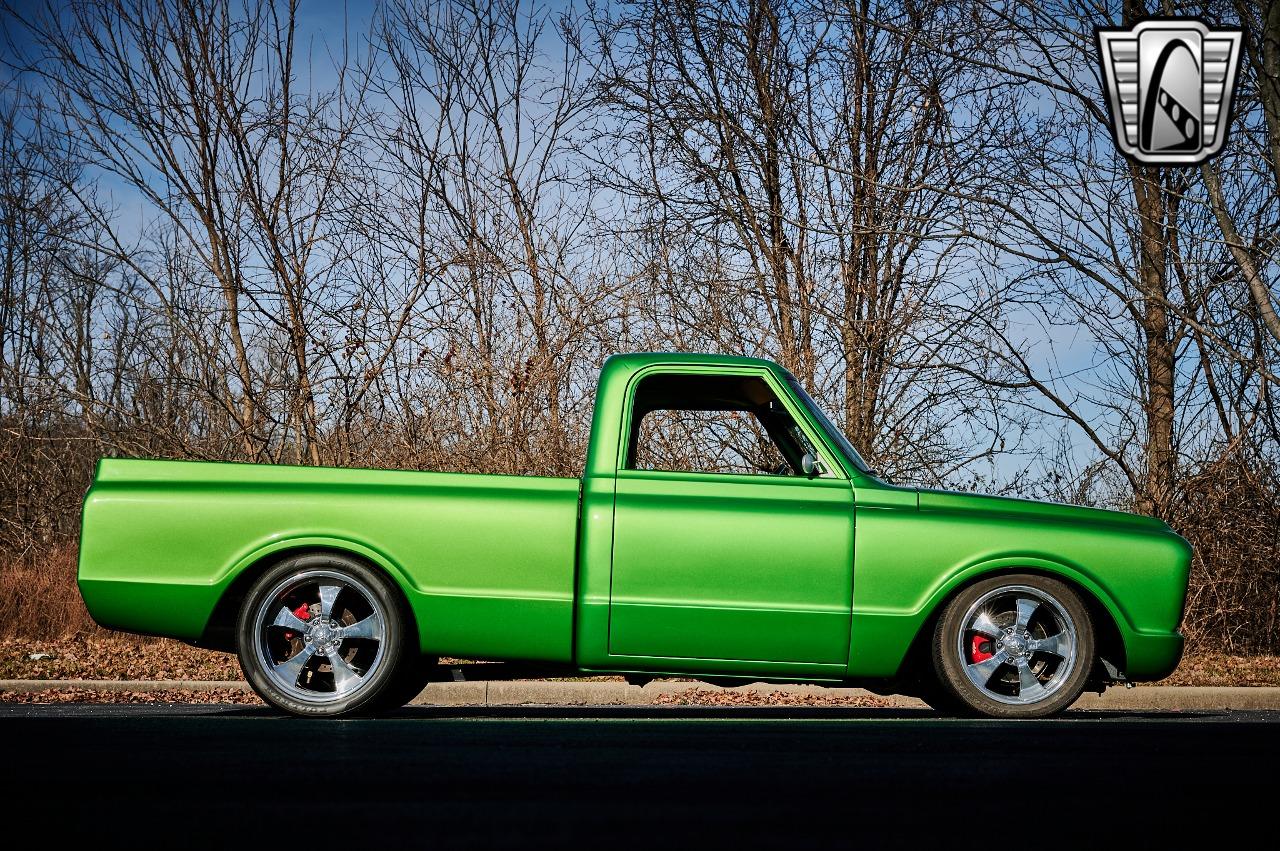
{"x":39,"y":596}
{"x":1222,"y":669}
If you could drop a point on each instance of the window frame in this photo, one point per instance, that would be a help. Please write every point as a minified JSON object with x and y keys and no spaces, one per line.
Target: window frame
{"x":831,"y":468}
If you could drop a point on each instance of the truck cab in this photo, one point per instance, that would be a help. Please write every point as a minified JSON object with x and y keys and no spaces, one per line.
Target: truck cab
{"x":726,"y":516}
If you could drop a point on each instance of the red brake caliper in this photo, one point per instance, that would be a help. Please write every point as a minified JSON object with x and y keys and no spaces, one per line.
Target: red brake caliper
{"x":981,"y":649}
{"x":303,"y":612}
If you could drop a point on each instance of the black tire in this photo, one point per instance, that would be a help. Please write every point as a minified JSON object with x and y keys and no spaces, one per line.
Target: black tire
{"x":1038,"y":664}
{"x":281,"y":622}
{"x":937,"y":698}
{"x":411,"y":680}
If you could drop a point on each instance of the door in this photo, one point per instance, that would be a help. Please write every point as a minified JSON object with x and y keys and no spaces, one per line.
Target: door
{"x":744,"y":557}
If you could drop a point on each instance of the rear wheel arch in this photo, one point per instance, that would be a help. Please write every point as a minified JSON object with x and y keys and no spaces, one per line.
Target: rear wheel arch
{"x":219,"y":631}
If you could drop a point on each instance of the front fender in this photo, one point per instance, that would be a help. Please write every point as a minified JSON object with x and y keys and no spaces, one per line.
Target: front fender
{"x":910,"y":563}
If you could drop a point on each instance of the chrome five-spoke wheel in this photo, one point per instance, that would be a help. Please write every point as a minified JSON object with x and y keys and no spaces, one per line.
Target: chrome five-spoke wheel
{"x":324,"y":635}
{"x":1014,"y":647}
{"x":1018,"y":645}
{"x":320,"y":634}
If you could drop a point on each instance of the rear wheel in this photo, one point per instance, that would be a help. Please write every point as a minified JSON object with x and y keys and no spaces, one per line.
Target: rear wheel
{"x":1018,"y":646}
{"x":323,"y":635}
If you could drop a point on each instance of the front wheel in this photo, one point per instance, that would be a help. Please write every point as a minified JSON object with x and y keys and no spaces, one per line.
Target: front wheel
{"x":322,"y":635}
{"x":1018,"y":646}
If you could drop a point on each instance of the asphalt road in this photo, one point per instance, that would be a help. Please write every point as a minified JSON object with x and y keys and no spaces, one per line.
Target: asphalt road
{"x":181,"y":776}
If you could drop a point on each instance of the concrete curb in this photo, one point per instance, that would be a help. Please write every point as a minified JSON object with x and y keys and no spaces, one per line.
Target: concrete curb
{"x":595,"y":693}
{"x":1183,"y":697}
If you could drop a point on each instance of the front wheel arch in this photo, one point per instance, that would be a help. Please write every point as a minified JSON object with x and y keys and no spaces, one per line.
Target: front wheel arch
{"x":1047,"y":660}
{"x":1108,"y":641}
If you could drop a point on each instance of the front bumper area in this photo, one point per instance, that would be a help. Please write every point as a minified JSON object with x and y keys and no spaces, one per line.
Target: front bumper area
{"x":1152,"y":656}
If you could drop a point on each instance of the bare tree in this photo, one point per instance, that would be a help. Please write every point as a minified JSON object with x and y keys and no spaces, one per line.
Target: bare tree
{"x":791,"y":175}
{"x":1261,"y":28}
{"x":475,"y":137}
{"x":1091,"y":240}
{"x":194,"y":106}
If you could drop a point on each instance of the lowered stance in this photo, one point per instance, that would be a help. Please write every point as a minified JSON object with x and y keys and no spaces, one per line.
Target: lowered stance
{"x":724,"y":529}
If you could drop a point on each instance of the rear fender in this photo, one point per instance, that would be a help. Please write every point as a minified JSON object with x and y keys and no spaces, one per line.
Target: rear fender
{"x":256,"y":553}
{"x":235,"y":581}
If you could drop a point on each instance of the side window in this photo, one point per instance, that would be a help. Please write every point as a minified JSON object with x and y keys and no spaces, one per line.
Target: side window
{"x":707,"y":442}
{"x":713,"y":424}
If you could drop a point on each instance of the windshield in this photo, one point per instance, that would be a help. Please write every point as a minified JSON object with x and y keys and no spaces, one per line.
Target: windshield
{"x":835,"y":435}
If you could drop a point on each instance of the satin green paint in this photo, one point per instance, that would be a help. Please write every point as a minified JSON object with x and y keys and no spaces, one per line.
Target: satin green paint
{"x":696,"y":568}
{"x":625,"y":570}
{"x":161,"y":541}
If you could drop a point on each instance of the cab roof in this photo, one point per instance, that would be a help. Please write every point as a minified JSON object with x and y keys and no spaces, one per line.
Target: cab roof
{"x":640,"y":360}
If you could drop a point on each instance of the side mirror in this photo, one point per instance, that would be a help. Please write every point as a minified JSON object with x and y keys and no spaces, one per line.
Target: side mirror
{"x":809,"y":465}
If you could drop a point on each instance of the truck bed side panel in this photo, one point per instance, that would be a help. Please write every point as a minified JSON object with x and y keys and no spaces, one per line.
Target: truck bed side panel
{"x":486,"y":562}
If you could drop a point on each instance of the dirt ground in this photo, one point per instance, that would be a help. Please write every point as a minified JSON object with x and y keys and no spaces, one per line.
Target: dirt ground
{"x":112,"y":658}
{"x":128,"y":658}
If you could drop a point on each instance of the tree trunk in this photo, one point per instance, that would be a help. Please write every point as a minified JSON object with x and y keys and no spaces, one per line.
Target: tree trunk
{"x":1155,"y":498}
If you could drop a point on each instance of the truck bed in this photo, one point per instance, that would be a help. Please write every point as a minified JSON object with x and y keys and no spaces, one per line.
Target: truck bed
{"x":487,"y":562}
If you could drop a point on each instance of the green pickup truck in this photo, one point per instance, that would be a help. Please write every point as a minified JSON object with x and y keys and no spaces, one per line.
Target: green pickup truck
{"x":775,"y":554}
